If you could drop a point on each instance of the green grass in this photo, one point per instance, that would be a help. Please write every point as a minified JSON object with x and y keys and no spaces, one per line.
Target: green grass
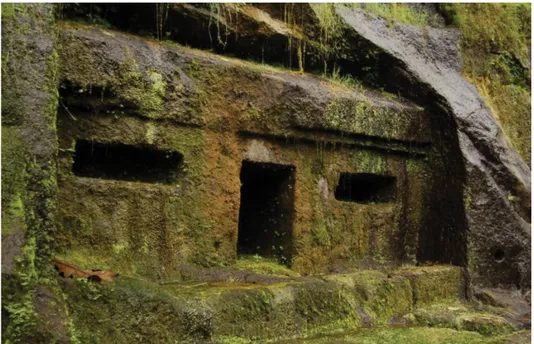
{"x":395,"y":12}
{"x":346,"y":80}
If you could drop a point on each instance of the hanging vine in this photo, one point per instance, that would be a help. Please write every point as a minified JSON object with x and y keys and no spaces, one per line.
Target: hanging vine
{"x":225,"y":14}
{"x":331,"y":31}
{"x":162,"y":12}
{"x":290,"y":21}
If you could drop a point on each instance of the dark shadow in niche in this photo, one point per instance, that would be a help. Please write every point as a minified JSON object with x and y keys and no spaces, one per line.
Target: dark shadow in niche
{"x":141,"y":163}
{"x":266,"y":210}
{"x":365,"y":188}
{"x":499,"y":255}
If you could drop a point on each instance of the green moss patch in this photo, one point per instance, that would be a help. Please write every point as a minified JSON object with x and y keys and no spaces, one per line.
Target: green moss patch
{"x":400,"y":13}
{"x":435,"y":283}
{"x":376,"y":298}
{"x":495,"y":46}
{"x":13,"y":170}
{"x":412,"y":335}
{"x":261,"y":265}
{"x":486,"y":324}
{"x":463,"y":317}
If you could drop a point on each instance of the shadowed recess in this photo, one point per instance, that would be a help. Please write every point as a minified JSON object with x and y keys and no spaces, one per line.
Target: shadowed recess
{"x":365,"y":188}
{"x":266,"y":211}
{"x":124,"y":162}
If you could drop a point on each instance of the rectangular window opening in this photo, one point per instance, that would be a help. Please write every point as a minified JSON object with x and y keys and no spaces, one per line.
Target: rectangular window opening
{"x":266,"y":210}
{"x":117,"y":161}
{"x":365,"y":188}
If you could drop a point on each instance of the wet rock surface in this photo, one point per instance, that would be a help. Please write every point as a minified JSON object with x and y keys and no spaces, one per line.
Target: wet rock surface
{"x":512,"y":305}
{"x":426,"y":67}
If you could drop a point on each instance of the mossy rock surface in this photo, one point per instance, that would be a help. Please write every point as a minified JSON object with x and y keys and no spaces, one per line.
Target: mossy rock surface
{"x":131,"y":309}
{"x":210,"y":108}
{"x":461,"y":317}
{"x":433,"y":283}
{"x":412,"y":335}
{"x":440,"y":315}
{"x":487,"y":324}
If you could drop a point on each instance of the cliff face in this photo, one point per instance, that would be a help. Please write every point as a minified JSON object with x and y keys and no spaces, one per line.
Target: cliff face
{"x":498,"y":180}
{"x":132,"y":153}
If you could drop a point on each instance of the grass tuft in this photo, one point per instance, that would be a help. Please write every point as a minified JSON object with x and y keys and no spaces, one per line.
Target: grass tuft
{"x":396,"y":12}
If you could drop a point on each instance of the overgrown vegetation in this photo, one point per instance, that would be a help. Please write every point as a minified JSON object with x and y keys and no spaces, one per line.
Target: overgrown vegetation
{"x":225,"y":15}
{"x":496,"y":41}
{"x":346,"y":80}
{"x":331,"y":31}
{"x":396,"y":12}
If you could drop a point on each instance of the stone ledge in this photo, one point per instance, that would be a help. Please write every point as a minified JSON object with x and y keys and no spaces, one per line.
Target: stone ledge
{"x":205,"y":311}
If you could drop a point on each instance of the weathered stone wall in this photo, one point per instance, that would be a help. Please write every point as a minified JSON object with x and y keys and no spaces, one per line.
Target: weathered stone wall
{"x":29,"y":106}
{"x":64,"y":82}
{"x":240,"y":112}
{"x":32,"y":310}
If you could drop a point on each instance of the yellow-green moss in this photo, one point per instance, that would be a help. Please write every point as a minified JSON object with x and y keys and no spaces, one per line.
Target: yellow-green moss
{"x":126,"y":312}
{"x":331,"y":30}
{"x":495,"y":48}
{"x":174,"y":225}
{"x":434,"y":284}
{"x":369,"y":162}
{"x":29,"y":103}
{"x":13,"y":171}
{"x":461,"y":317}
{"x":361,"y":116}
{"x":486,"y":324}
{"x":396,"y":12}
{"x":438,"y":315}
{"x":252,"y":314}
{"x":413,"y":335}
{"x":132,"y":86}
{"x":150,"y":133}
{"x":263,"y":265}
{"x":22,"y":318}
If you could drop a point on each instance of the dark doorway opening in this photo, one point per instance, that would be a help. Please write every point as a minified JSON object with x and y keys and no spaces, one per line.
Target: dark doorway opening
{"x":266,"y":210}
{"x":365,"y":188}
{"x":125,"y":162}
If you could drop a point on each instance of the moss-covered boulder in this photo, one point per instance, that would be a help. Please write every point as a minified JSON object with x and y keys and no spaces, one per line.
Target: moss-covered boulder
{"x":486,"y":324}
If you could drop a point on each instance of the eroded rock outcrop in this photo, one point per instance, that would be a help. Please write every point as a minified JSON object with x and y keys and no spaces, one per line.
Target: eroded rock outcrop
{"x":498,"y":186}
